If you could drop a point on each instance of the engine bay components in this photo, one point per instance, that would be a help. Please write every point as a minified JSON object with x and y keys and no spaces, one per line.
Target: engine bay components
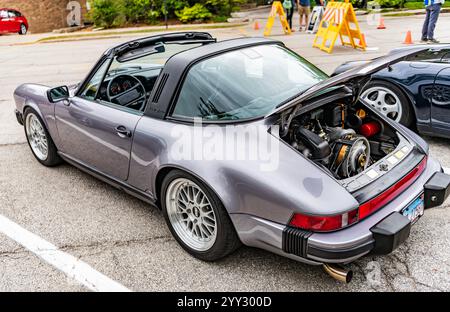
{"x":318,"y":147}
{"x":352,"y":155}
{"x":342,"y":139}
{"x":370,"y":129}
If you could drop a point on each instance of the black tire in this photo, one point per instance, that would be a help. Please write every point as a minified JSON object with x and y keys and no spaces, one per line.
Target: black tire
{"x":23,"y":29}
{"x":53,"y":158}
{"x":226,"y":241}
{"x":407,"y":117}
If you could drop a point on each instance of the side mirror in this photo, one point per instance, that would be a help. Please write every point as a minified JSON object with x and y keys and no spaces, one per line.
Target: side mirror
{"x":58,"y":94}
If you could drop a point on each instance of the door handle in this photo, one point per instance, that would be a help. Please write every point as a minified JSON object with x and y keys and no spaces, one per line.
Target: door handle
{"x":123,"y":132}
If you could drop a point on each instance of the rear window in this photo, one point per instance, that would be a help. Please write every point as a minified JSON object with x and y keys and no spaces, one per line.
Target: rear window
{"x":244,"y":84}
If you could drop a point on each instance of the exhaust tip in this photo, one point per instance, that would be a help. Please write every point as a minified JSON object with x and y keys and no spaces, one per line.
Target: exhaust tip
{"x":338,"y":272}
{"x":349,"y":276}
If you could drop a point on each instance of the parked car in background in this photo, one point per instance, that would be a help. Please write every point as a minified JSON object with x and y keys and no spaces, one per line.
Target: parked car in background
{"x":12,"y":21}
{"x":413,"y":92}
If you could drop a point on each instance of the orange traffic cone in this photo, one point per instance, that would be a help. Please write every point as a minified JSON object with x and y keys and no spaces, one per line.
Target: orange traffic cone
{"x":381,"y":24}
{"x":363,"y":42}
{"x":408,"y":38}
{"x":256,"y":26}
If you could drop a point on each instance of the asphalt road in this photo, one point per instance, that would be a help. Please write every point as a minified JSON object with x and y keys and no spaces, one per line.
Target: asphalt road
{"x":127,"y":240}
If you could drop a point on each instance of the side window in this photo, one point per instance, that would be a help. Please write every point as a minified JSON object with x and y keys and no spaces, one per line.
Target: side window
{"x":91,"y":89}
{"x":12,"y":14}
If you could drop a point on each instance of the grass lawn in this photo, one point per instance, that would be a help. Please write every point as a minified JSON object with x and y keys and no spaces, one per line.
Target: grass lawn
{"x":419,"y":5}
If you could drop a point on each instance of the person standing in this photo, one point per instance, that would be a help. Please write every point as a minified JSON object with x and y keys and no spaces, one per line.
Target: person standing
{"x":433,"y":8}
{"x":304,"y":11}
{"x":289,"y":5}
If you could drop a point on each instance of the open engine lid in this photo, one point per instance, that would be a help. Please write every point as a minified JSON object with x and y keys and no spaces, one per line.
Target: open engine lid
{"x":354,"y":78}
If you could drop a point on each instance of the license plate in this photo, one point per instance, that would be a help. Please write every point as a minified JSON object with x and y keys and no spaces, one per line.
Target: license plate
{"x":415,"y":209}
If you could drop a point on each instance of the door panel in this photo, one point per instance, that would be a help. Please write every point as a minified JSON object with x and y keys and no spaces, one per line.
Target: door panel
{"x":440,"y":108}
{"x":15,"y":22}
{"x":95,"y":134}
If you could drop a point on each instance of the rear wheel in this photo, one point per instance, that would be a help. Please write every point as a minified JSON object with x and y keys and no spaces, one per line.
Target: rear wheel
{"x":197,"y":218}
{"x":389,"y":100}
{"x":39,"y":140}
{"x":23,"y":29}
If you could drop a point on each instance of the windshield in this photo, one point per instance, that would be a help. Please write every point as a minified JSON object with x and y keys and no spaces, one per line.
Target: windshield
{"x":142,"y":69}
{"x":153,"y":60}
{"x":244,"y":84}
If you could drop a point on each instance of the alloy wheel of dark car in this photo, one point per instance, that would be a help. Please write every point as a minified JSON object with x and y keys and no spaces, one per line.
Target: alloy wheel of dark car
{"x":196,"y":217}
{"x":389,"y":100}
{"x":39,"y":140}
{"x":23,"y":29}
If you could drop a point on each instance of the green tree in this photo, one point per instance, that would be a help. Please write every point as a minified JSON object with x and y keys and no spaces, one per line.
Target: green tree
{"x":195,"y":13}
{"x":108,"y":13}
{"x":105,"y":12}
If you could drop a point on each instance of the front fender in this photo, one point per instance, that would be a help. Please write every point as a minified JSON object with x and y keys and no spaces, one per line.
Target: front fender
{"x":35,"y":96}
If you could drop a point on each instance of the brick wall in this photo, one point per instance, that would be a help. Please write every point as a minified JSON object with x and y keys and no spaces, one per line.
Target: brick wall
{"x":43,"y":15}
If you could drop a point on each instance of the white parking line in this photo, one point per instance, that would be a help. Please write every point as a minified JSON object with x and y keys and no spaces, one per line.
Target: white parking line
{"x":71,"y":266}
{"x":446,"y":170}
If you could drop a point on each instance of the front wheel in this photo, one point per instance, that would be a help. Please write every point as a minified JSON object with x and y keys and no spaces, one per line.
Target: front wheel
{"x":196,"y":217}
{"x":39,"y":139}
{"x":23,"y":30}
{"x":389,"y":100}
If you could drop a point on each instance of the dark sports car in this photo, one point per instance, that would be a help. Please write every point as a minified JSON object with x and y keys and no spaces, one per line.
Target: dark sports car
{"x":415,"y":91}
{"x":241,"y":141}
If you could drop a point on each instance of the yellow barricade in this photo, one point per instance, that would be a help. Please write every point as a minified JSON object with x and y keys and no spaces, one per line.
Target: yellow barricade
{"x":277,"y":8}
{"x":339,"y":19}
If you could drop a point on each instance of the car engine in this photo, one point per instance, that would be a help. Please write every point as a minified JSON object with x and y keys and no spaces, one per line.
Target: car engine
{"x":341,"y":140}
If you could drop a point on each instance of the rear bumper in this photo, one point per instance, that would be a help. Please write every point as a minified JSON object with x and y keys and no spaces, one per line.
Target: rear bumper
{"x":380,"y":233}
{"x":19,"y":116}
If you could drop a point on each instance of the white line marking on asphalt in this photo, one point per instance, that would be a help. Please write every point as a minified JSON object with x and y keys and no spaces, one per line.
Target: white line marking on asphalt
{"x":71,"y":266}
{"x":446,"y":170}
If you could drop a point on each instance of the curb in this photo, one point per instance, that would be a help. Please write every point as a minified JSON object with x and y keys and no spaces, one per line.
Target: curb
{"x":118,"y":34}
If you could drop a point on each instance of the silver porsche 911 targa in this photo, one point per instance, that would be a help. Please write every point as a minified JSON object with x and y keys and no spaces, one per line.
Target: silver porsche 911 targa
{"x":340,"y":180}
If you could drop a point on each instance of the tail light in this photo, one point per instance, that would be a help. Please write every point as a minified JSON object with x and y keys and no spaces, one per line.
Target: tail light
{"x":324,"y":223}
{"x":337,"y":222}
